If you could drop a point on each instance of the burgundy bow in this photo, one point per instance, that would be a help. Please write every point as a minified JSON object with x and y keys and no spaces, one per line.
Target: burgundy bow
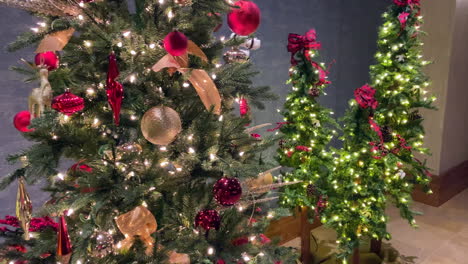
{"x":407,"y":2}
{"x":365,"y":97}
{"x":403,"y":18}
{"x":303,"y":43}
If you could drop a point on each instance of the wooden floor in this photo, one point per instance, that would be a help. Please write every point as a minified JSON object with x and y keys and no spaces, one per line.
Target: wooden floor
{"x":442,"y":236}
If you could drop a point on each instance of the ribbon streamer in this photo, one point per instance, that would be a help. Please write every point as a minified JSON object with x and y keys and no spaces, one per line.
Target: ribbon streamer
{"x":138,"y":222}
{"x":193,"y":49}
{"x":205,"y":87}
{"x":201,"y":81}
{"x":279,"y":125}
{"x":55,"y":41}
{"x":380,"y":146}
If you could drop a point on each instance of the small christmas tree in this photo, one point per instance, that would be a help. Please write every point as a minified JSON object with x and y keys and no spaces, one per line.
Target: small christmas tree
{"x":383,"y":132}
{"x":307,"y":126}
{"x":143,"y":106}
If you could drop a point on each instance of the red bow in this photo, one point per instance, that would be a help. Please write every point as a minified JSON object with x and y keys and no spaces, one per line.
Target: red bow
{"x":365,"y":97}
{"x":303,"y":43}
{"x":403,"y":17}
{"x":407,"y":2}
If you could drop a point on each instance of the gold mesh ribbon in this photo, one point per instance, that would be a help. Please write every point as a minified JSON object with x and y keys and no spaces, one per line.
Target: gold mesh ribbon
{"x":139,"y":222}
{"x":201,"y":81}
{"x":55,"y":41}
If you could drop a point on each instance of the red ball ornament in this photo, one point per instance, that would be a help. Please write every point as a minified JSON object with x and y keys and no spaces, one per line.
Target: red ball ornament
{"x":47,"y":59}
{"x":244,"y":20}
{"x":68,"y":103}
{"x":208,"y":219}
{"x":176,"y":43}
{"x":227,"y":191}
{"x":22,"y":120}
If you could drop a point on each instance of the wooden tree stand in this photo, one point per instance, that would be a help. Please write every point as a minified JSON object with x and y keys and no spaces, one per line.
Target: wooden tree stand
{"x":291,"y":227}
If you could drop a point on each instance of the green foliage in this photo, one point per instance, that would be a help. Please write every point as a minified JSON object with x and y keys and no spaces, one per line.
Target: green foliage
{"x":174,"y":181}
{"x":366,"y":179}
{"x":308,"y":126}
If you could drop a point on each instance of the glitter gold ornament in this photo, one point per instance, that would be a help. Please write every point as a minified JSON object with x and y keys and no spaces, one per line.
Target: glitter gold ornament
{"x":23,"y":208}
{"x":160,"y":125}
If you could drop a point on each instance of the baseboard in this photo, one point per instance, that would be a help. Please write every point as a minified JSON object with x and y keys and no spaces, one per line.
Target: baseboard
{"x":445,"y":187}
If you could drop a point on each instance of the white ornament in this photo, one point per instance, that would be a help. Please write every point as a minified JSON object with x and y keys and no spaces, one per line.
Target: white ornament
{"x":401,"y":58}
{"x":40,"y":98}
{"x":249,"y":43}
{"x":316,"y":123}
{"x":401,"y":174}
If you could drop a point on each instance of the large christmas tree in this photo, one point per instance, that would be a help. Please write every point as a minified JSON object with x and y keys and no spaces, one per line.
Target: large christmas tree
{"x":143,"y":106}
{"x":383,"y":133}
{"x":307,"y":127}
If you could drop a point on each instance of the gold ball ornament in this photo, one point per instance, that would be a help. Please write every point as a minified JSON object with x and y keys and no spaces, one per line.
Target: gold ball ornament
{"x":160,"y":125}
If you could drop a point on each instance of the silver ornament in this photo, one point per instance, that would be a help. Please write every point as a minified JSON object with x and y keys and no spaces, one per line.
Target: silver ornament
{"x":103,"y":244}
{"x":236,"y":55}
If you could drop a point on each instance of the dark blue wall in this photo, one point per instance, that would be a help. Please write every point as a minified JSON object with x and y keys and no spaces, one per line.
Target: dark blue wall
{"x":346,"y":28}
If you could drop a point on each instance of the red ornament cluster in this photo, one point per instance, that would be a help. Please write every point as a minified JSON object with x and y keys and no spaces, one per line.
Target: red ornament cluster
{"x":47,"y":59}
{"x":245,"y":19}
{"x":176,"y":43}
{"x":37,"y":224}
{"x":68,"y":103}
{"x":22,"y":120}
{"x":208,"y":219}
{"x":227,"y":191}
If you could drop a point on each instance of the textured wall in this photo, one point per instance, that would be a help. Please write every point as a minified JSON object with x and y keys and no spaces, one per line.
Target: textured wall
{"x":439,"y":18}
{"x":455,"y":142}
{"x":347,"y":30}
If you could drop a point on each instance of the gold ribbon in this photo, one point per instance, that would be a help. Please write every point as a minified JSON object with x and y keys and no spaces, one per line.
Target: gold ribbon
{"x":139,"y":222}
{"x":55,"y":41}
{"x":23,"y":208}
{"x":178,"y":258}
{"x":201,"y":81}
